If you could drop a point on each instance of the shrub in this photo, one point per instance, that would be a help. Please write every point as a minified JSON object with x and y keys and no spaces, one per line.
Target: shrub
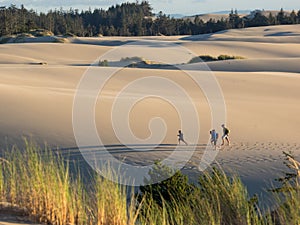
{"x":217,"y":199}
{"x":60,"y":40}
{"x":208,"y":58}
{"x":288,"y":195}
{"x":103,"y":63}
{"x":228,"y":57}
{"x":41,"y":33}
{"x":5,"y":39}
{"x":134,"y":59}
{"x":69,"y":34}
{"x":176,"y":187}
{"x":202,"y":58}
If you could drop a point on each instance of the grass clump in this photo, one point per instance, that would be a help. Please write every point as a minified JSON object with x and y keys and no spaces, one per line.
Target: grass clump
{"x":103,"y":63}
{"x":208,"y":58}
{"x":40,"y":181}
{"x":60,"y":40}
{"x":41,"y":33}
{"x":41,"y":184}
{"x":69,"y":34}
{"x":135,"y":59}
{"x":228,"y":57}
{"x":202,"y":58}
{"x":5,"y":39}
{"x":288,"y":194}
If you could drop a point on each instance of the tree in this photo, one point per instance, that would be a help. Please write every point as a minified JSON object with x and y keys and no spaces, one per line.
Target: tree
{"x":127,"y":19}
{"x":281,"y":18}
{"x":234,"y":20}
{"x":298,"y":17}
{"x":271,"y":19}
{"x":198,"y":25}
{"x":293,"y":17}
{"x":164,"y":25}
{"x":258,"y":20}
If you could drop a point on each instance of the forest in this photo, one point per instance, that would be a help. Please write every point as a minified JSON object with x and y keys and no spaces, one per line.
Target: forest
{"x":128,"y":19}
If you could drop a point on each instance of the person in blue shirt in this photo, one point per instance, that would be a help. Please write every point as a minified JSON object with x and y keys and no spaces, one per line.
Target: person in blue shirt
{"x":214,"y":137}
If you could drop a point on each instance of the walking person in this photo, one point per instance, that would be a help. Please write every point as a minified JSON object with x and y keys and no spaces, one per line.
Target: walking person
{"x":225,"y":135}
{"x":180,"y":138}
{"x":214,"y":138}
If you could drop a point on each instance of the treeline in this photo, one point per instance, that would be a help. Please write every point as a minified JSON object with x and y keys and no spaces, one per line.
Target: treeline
{"x":128,"y":19}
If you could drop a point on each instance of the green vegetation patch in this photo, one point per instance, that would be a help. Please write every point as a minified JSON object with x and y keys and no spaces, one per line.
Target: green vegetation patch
{"x":5,"y":39}
{"x":208,"y":58}
{"x":41,"y":33}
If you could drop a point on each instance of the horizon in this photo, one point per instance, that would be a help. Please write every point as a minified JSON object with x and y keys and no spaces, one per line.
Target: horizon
{"x":169,"y":7}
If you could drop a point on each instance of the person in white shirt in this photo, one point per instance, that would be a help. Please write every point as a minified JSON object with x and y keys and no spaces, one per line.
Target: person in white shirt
{"x":180,"y":138}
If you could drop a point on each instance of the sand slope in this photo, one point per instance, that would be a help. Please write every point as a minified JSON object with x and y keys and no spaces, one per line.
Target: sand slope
{"x":262,"y":94}
{"x":38,"y":82}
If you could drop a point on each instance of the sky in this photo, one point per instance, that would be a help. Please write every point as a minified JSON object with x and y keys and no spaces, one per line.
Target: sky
{"x":184,"y":7}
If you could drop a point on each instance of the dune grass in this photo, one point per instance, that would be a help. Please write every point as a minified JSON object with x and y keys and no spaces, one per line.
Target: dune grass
{"x":208,"y":58}
{"x":288,"y":195}
{"x":40,"y":181}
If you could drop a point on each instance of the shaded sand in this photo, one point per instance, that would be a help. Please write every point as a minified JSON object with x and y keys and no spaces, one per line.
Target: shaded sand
{"x":258,"y":164}
{"x":262,"y":93}
{"x":11,"y":215}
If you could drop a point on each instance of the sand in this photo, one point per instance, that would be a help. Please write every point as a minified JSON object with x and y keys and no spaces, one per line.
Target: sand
{"x":262,"y":94}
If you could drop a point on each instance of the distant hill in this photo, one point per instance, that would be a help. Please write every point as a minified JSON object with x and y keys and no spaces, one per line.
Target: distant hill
{"x":225,"y":14}
{"x":214,"y":14}
{"x":265,"y":13}
{"x":207,"y":17}
{"x":228,"y":11}
{"x":177,"y":16}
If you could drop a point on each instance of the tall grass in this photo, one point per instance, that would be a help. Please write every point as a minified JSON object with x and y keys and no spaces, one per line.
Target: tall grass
{"x":41,"y":182}
{"x":38,"y":181}
{"x":288,"y":196}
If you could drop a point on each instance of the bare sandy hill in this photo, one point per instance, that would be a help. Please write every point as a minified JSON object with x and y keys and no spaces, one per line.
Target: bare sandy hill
{"x":30,"y":88}
{"x":218,"y":16}
{"x":262,"y":93}
{"x":270,"y":34}
{"x":208,"y":16}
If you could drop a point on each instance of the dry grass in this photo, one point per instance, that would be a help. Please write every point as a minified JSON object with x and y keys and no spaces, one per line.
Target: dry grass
{"x":40,"y":182}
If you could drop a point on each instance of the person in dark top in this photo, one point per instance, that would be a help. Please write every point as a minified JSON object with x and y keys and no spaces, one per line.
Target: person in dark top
{"x":225,"y":135}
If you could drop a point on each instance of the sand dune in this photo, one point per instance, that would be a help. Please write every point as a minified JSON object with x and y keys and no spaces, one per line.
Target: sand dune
{"x":270,"y":34}
{"x":289,"y":65}
{"x":262,"y":93}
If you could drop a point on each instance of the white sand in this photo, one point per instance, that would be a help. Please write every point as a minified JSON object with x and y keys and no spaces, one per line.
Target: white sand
{"x":262,"y":95}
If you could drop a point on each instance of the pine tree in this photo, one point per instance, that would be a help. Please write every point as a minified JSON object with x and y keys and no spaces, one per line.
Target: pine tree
{"x":271,"y":19}
{"x":281,"y":19}
{"x":293,"y":17}
{"x":298,"y":17}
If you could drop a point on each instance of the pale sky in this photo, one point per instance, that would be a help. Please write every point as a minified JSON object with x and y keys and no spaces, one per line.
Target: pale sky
{"x":186,"y":7}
